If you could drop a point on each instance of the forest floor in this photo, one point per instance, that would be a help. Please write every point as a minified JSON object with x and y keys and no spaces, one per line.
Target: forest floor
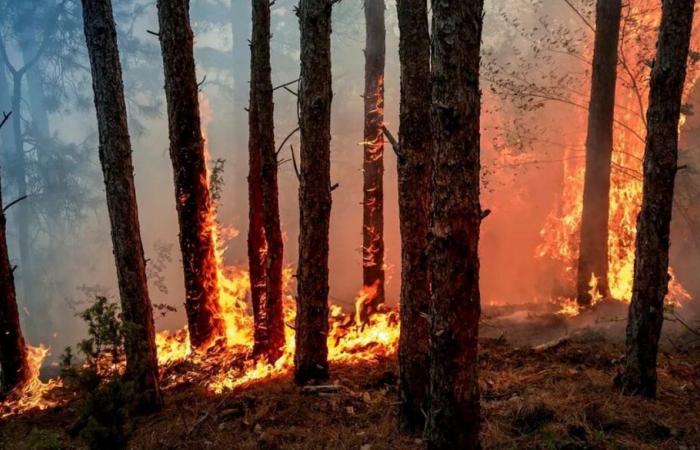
{"x":546,"y":382}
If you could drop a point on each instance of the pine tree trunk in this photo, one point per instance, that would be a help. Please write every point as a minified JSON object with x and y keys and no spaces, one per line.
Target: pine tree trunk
{"x":653,"y":225}
{"x":257,"y":244}
{"x":315,"y":96}
{"x":21,"y":212}
{"x":263,"y":127}
{"x":414,"y":169}
{"x":14,"y":369}
{"x":453,"y":418}
{"x":118,"y":170}
{"x":373,"y":162}
{"x":593,"y":255}
{"x":187,"y":153}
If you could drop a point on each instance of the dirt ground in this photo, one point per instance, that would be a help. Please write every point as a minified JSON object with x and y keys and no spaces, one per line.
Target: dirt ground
{"x":546,"y":383}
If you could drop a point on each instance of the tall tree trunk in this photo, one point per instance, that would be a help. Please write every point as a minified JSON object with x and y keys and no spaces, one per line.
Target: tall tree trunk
{"x":593,"y":254}
{"x":22,"y":211}
{"x":453,"y":418}
{"x":118,"y":170}
{"x":14,"y":368}
{"x":653,"y":225}
{"x":373,"y":163}
{"x":414,"y":169}
{"x":264,"y":198}
{"x":315,"y":96}
{"x":187,"y":153}
{"x":257,"y":244}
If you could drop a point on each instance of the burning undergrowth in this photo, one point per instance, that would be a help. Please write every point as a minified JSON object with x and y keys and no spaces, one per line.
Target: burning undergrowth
{"x":557,"y":395}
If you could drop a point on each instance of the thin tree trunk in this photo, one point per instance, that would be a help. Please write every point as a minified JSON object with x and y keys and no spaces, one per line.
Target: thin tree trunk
{"x":14,"y":368}
{"x":593,"y":254}
{"x":118,"y":170}
{"x":257,"y":244}
{"x":653,"y":225}
{"x":453,"y":418}
{"x":187,"y":153}
{"x":373,"y":162}
{"x":21,"y":213}
{"x":315,"y":96}
{"x":414,"y":169}
{"x":263,"y":152}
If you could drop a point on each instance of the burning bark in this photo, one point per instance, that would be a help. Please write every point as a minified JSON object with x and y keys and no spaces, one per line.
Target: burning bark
{"x":192,"y":194}
{"x":453,"y":417}
{"x":414,"y":168}
{"x":373,"y":161}
{"x":593,"y":253}
{"x":118,"y":170}
{"x":315,"y":96}
{"x":14,"y":365}
{"x":651,"y":275}
{"x":265,"y":245}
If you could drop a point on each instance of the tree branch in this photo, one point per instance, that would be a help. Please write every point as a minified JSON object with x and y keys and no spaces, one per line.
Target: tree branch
{"x":5,"y":116}
{"x":392,"y":140}
{"x":279,"y":149}
{"x":13,"y":203}
{"x":294,"y":161}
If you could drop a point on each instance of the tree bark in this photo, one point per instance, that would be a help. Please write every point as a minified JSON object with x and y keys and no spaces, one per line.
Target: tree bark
{"x":414,"y":165}
{"x":13,"y":351}
{"x":593,"y":253}
{"x":373,"y":160}
{"x":21,"y":214}
{"x":453,"y":418}
{"x":264,"y":194}
{"x":187,"y":153}
{"x":653,"y":225}
{"x":315,"y":96}
{"x":118,"y":170}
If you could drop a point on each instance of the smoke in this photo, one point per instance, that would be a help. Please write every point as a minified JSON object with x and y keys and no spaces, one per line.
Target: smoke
{"x":524,"y":148}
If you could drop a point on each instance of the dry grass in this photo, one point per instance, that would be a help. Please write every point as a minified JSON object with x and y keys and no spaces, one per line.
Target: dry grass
{"x":561,"y":397}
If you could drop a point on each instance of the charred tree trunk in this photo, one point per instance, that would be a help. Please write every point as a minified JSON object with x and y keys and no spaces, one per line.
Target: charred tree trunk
{"x":453,"y":418}
{"x":315,"y":96}
{"x":257,"y":244}
{"x":187,"y":153}
{"x":593,"y":254}
{"x":653,"y":225}
{"x":414,"y":169}
{"x":118,"y":170}
{"x":14,"y":368}
{"x":373,"y":162}
{"x":262,"y":150}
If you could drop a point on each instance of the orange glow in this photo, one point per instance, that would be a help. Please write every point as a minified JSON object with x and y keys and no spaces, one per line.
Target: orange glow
{"x":33,"y":394}
{"x":560,"y":233}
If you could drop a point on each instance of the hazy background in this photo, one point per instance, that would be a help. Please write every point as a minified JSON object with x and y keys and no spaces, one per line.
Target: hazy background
{"x":523,"y":147}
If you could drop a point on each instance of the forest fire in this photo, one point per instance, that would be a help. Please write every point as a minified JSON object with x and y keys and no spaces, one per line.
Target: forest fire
{"x":33,"y":394}
{"x":561,"y":231}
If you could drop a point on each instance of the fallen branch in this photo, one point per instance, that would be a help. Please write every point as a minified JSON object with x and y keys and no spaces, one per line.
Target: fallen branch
{"x":321,"y":389}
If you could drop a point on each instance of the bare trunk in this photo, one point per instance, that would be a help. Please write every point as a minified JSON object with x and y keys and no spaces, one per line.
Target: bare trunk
{"x":653,"y":225}
{"x":21,"y":212}
{"x":453,"y":418}
{"x":593,"y":255}
{"x":414,"y":169}
{"x":262,"y":150}
{"x":187,"y":153}
{"x":373,"y":163}
{"x":118,"y":170}
{"x":14,"y":368}
{"x":315,"y":96}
